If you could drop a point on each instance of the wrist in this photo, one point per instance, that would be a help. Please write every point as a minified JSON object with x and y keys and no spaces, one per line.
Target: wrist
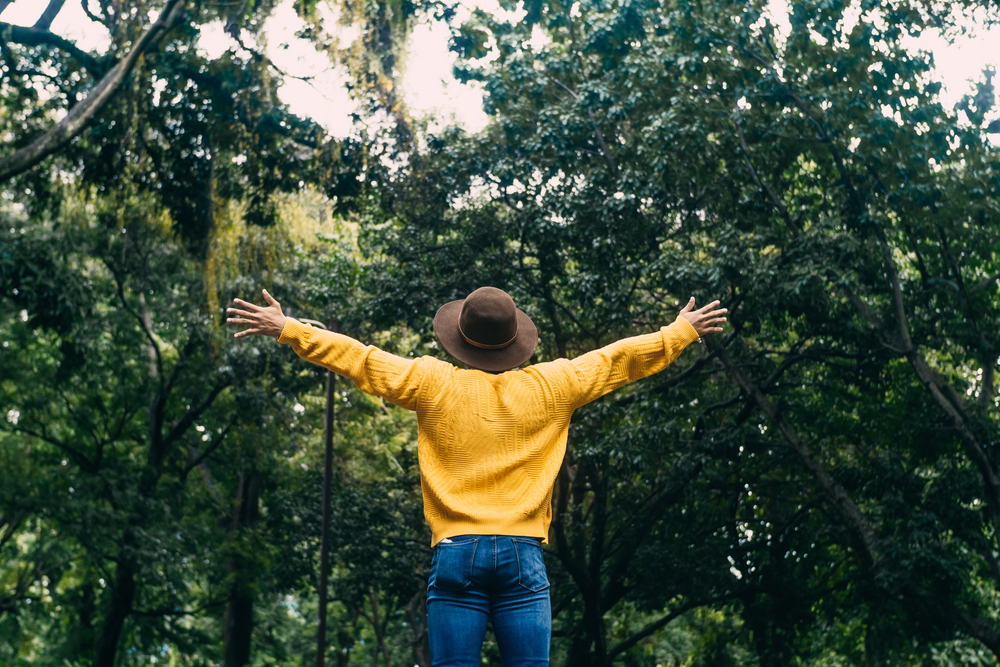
{"x":280,"y":324}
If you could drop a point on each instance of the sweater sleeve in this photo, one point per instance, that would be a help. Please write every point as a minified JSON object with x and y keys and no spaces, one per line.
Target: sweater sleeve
{"x":630,"y":359}
{"x":396,"y":379}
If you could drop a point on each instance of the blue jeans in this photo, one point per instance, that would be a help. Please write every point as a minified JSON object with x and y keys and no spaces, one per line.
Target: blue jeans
{"x":479,"y":577}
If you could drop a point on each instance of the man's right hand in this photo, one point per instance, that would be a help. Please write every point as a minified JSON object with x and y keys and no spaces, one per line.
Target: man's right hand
{"x":269,"y":321}
{"x":704,"y":318}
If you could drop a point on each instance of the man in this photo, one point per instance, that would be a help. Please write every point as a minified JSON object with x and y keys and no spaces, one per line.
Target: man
{"x":491,"y":439}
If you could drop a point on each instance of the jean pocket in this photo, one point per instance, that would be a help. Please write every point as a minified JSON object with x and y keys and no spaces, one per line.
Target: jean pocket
{"x":530,"y":565}
{"x":451,"y":566}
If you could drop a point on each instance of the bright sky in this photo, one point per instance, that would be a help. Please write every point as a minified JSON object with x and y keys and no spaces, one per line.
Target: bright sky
{"x":429,"y":88}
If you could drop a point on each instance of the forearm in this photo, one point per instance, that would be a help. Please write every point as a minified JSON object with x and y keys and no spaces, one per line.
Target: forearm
{"x":631,"y":359}
{"x":373,"y":371}
{"x":336,"y":352}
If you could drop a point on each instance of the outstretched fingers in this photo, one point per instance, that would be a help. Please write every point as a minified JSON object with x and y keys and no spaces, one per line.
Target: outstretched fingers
{"x":707,"y":319}
{"x":241,"y":317}
{"x":240,"y":334}
{"x":249,"y":317}
{"x":263,"y":321}
{"x":249,"y":306}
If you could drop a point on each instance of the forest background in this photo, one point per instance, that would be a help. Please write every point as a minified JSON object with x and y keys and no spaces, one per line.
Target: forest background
{"x":819,"y":486}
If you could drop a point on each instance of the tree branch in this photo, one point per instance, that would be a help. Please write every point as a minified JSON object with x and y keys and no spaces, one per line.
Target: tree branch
{"x":16,"y":34}
{"x":902,"y":322}
{"x":158,"y":405}
{"x":44,"y":21}
{"x":983,"y":284}
{"x":80,"y":115}
{"x":780,"y":205}
{"x":628,"y":537}
{"x":605,"y":151}
{"x":872,"y":318}
{"x":938,"y":387}
{"x":91,"y":15}
{"x":621,"y":647}
{"x":845,"y":178}
{"x":178,"y":612}
{"x":141,"y":320}
{"x":79,"y":457}
{"x":834,"y":491}
{"x":211,"y":448}
{"x":941,"y":391}
{"x":191,"y":415}
{"x":575,"y":567}
{"x":11,"y":523}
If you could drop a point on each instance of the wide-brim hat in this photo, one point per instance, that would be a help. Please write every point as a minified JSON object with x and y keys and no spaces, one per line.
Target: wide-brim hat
{"x":486,"y":330}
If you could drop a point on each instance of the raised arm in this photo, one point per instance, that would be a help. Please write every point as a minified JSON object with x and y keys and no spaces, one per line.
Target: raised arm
{"x":631,"y":359}
{"x":394,"y":378}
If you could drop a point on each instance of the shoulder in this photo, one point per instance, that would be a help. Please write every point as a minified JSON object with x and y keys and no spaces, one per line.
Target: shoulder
{"x":432,"y":367}
{"x":555,"y":373}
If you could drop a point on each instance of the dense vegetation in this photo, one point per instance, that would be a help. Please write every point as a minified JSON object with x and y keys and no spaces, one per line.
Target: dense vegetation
{"x":819,"y":486}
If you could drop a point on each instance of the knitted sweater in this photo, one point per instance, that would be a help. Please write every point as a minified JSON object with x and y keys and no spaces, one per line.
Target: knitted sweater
{"x":490,"y":446}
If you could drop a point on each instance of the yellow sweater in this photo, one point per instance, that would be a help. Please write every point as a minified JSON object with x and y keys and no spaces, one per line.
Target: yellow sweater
{"x":490,"y":446}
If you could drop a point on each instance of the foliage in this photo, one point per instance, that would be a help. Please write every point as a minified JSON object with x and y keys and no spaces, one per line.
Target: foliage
{"x":817,"y":486}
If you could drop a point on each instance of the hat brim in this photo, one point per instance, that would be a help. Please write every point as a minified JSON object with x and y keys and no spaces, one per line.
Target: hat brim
{"x":447,"y":332}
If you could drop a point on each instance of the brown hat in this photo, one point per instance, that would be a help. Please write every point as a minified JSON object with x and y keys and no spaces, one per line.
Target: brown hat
{"x":486,"y":330}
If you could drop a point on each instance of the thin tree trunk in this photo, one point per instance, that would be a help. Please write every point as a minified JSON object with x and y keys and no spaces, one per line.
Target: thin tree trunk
{"x":345,"y":641}
{"x":238,"y":625}
{"x":379,"y":627}
{"x":587,"y":649}
{"x":417,"y":615}
{"x":579,"y":652}
{"x":147,"y":322}
{"x":86,"y":610}
{"x":122,"y":595}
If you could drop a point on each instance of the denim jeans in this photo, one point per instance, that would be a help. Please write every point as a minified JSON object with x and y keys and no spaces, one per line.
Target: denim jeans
{"x":479,"y":577}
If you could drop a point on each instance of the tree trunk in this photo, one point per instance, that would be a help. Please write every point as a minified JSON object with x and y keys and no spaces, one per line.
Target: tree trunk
{"x":238,"y":626}
{"x":87,"y":608}
{"x":379,"y":624}
{"x":579,"y":652}
{"x":417,"y":617}
{"x":588,"y":648}
{"x":345,"y":641}
{"x":122,"y":595}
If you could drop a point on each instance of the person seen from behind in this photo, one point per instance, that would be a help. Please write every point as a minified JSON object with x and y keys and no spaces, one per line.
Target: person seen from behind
{"x":491,"y":440}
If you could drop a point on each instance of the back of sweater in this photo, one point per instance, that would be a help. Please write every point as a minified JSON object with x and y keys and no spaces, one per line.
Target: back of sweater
{"x":490,"y":446}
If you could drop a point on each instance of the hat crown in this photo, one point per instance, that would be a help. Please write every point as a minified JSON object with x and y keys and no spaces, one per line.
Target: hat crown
{"x":489,"y":317}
